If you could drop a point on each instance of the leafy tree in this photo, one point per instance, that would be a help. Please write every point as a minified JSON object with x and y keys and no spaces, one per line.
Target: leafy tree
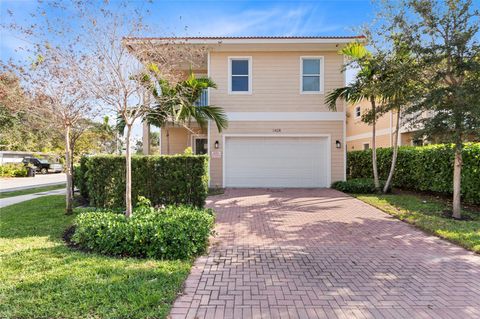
{"x":364,"y":87}
{"x":398,"y":84}
{"x":443,"y":37}
{"x":20,"y":128}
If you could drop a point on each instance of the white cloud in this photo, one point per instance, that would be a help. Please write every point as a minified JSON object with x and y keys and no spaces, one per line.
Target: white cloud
{"x":279,"y":20}
{"x":13,"y":46}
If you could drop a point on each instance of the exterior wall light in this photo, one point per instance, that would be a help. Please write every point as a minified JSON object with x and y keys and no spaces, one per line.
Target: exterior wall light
{"x":217,"y":144}
{"x":338,"y":144}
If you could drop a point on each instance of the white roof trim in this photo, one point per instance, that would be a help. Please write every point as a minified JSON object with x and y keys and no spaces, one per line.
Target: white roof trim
{"x":285,"y":116}
{"x":251,"y":41}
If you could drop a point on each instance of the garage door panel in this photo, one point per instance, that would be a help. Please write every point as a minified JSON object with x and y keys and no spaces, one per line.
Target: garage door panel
{"x":276,"y":162}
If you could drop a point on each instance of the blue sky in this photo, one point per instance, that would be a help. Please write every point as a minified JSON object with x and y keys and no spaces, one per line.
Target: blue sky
{"x":225,"y":18}
{"x":219,"y":18}
{"x":265,"y":17}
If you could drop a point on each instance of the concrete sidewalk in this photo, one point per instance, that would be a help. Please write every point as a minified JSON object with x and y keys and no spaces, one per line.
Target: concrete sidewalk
{"x":22,"y":198}
{"x":19,"y":183}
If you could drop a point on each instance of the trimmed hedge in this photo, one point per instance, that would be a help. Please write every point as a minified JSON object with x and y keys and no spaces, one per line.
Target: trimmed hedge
{"x":80,"y":176}
{"x":357,"y":186}
{"x":172,"y":233}
{"x":165,"y":180}
{"x":425,"y":168}
{"x":13,"y":170}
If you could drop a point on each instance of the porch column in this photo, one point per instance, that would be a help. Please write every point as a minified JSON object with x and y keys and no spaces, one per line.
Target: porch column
{"x":146,"y":138}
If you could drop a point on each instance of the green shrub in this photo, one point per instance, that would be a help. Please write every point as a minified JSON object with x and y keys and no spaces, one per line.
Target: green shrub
{"x":13,"y":170}
{"x":79,"y":176}
{"x":426,"y":168}
{"x":165,"y":180}
{"x":357,"y":186}
{"x":171,"y":233}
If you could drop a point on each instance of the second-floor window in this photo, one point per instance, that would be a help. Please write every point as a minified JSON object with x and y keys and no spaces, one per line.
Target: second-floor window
{"x":358,"y":112}
{"x":240,"y":75}
{"x":312,"y":71}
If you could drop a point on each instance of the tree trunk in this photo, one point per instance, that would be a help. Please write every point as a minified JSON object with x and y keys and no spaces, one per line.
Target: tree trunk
{"x":73,"y":171}
{"x":374,"y":147}
{"x":128,"y":177}
{"x":457,"y":179}
{"x":72,"y":150}
{"x":168,"y":141}
{"x":395,"y":153}
{"x":146,"y":138}
{"x":68,"y":171}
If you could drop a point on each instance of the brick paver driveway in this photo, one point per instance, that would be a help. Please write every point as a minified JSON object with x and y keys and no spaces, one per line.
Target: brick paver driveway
{"x":321,"y":254}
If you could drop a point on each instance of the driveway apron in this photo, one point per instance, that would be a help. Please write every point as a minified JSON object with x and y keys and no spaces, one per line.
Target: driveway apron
{"x":318,"y":253}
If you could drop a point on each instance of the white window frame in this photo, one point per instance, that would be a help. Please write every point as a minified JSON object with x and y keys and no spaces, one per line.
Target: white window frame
{"x":196,"y":137}
{"x":250,"y":75}
{"x":366,"y":144}
{"x":321,"y":75}
{"x":355,"y":111}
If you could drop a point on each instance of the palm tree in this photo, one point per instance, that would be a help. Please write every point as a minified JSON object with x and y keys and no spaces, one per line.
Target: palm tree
{"x":364,"y":87}
{"x":399,"y":91}
{"x":178,"y":103}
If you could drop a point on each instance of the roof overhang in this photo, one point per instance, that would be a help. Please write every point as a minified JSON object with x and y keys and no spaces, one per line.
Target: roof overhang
{"x":237,"y":44}
{"x":248,"y":40}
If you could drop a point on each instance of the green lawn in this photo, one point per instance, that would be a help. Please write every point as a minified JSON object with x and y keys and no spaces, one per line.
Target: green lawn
{"x":42,"y":278}
{"x":31,"y":191}
{"x":428,"y":214}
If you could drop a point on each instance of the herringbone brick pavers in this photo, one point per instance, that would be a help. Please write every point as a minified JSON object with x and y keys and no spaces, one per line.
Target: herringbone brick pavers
{"x":318,"y":253}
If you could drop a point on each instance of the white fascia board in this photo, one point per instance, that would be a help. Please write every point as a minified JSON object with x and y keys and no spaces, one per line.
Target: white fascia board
{"x":285,"y":116}
{"x":257,"y":41}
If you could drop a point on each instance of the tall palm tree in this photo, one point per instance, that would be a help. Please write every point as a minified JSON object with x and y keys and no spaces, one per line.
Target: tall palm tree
{"x":399,"y":90}
{"x":178,"y":104}
{"x":364,"y":87}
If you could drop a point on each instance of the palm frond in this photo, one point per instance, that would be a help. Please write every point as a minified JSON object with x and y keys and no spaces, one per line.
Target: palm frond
{"x":355,"y":50}
{"x":349,"y":94}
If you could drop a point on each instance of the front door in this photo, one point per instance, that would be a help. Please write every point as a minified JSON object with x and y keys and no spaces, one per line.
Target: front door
{"x":201,"y":147}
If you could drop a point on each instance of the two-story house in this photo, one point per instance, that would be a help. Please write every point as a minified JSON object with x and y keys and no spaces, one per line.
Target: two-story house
{"x":280,"y":131}
{"x":359,"y":134}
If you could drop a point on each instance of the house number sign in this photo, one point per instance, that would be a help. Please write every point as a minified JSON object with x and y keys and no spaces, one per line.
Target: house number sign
{"x":277,"y":130}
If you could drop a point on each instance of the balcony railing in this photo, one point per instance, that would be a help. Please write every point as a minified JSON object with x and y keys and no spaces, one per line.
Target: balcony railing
{"x":203,"y":100}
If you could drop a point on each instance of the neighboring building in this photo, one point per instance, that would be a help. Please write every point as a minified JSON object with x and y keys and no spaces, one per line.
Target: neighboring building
{"x":10,"y":157}
{"x":359,"y":134}
{"x":280,"y":131}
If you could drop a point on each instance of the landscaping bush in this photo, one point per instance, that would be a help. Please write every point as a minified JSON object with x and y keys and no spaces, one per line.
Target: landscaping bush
{"x":165,"y":180}
{"x":426,"y":168}
{"x":13,"y":170}
{"x":171,"y":233}
{"x":79,"y":176}
{"x":357,"y":186}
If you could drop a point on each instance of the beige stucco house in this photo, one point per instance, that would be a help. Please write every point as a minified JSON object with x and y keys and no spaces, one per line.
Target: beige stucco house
{"x":359,"y":134}
{"x":273,"y":89}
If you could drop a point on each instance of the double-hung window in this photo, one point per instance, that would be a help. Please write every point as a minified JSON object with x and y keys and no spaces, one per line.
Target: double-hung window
{"x":358,"y":112}
{"x":312,"y":75}
{"x":240,"y":75}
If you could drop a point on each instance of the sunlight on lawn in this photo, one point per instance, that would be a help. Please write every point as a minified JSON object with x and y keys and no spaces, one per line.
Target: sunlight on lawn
{"x":41,"y":277}
{"x":428,"y":216}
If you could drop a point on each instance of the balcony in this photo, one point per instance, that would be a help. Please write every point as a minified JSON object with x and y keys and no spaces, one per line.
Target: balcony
{"x":203,"y":100}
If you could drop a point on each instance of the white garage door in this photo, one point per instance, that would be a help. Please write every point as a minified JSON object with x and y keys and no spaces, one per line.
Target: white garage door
{"x":276,"y":162}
